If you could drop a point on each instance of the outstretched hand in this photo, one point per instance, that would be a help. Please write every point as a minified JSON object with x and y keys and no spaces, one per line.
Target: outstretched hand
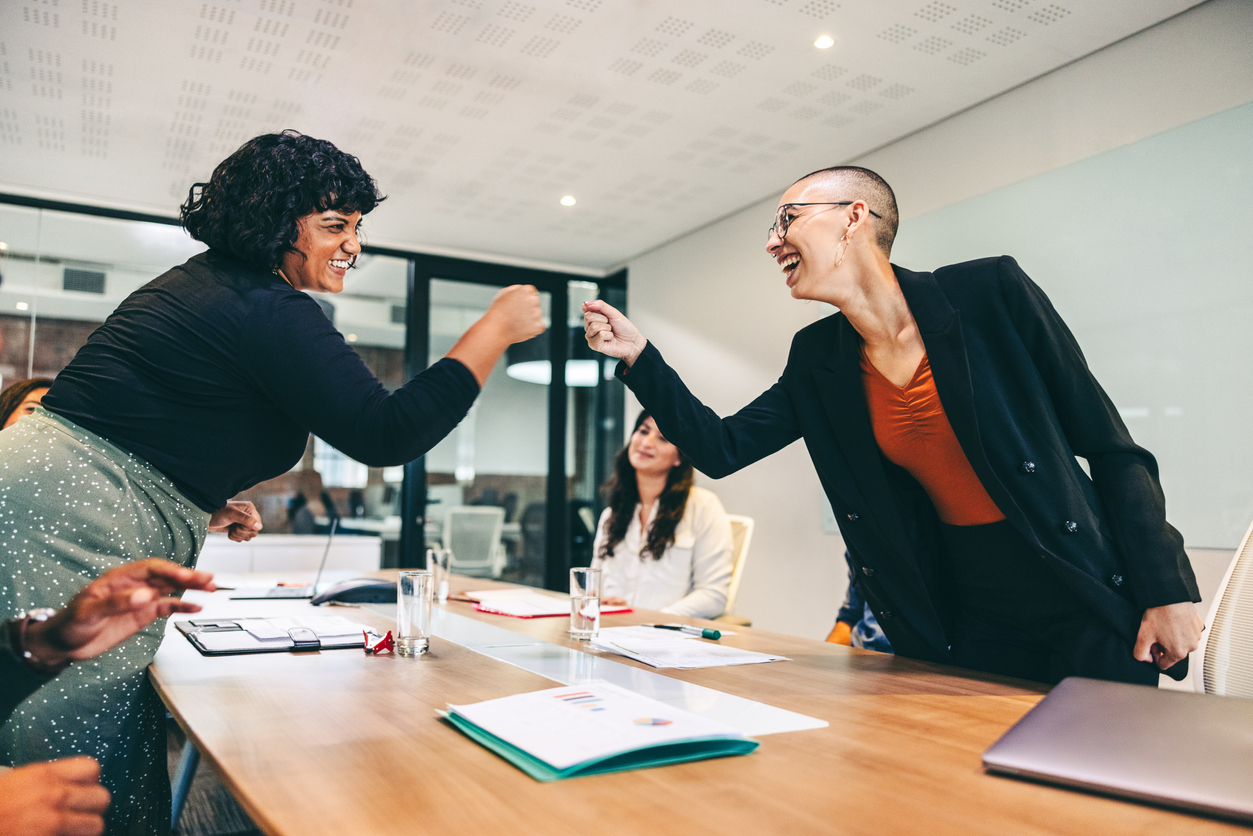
{"x":112,"y":608}
{"x":1168,"y":634}
{"x":609,"y":332}
{"x":239,"y":520}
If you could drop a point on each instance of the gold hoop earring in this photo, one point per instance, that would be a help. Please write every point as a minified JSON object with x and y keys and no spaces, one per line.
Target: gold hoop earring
{"x":839,"y":259}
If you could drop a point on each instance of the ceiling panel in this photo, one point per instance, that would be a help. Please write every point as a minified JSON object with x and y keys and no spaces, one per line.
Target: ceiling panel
{"x":477,"y":116}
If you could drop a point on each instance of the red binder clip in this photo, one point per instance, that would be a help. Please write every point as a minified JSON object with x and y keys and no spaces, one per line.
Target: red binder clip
{"x":386,"y":643}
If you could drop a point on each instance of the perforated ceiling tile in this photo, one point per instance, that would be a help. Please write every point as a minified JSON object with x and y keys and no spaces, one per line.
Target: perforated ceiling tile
{"x":1049,"y":14}
{"x":896,"y":91}
{"x":971,"y":24}
{"x":674,"y":26}
{"x":1006,"y":36}
{"x":932,"y":45}
{"x":864,"y":82}
{"x":446,"y":98}
{"x":715,"y":38}
{"x":897,"y":33}
{"x":819,"y":8}
{"x":689,"y":58}
{"x":967,"y":56}
{"x":830,"y":72}
{"x":727,"y":69}
{"x":564,"y":24}
{"x":625,"y":66}
{"x":755,"y":49}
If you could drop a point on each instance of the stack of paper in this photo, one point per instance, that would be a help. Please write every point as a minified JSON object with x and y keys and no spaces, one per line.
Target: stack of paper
{"x":592,"y":728}
{"x":527,"y":603}
{"x":671,"y":649}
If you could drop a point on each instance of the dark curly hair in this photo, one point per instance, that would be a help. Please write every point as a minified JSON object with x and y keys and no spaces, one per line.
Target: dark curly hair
{"x":251,"y":204}
{"x":622,"y":493}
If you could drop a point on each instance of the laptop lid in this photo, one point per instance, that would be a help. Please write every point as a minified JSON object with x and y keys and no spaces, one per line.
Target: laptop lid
{"x":1173,"y":748}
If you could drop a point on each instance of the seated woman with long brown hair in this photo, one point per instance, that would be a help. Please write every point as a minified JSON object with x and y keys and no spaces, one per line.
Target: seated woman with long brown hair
{"x":662,"y":543}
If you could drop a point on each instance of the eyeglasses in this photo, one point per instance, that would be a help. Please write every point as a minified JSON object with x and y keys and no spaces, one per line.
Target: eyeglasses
{"x":783,"y":219}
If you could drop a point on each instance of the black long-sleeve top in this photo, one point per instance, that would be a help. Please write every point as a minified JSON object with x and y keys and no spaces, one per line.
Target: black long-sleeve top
{"x":215,"y":373}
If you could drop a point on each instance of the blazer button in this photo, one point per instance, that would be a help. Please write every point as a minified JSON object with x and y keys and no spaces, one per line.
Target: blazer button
{"x":1116,"y":580}
{"x":867,"y":571}
{"x":1070,"y":527}
{"x":852,"y":518}
{"x":1027,"y":467}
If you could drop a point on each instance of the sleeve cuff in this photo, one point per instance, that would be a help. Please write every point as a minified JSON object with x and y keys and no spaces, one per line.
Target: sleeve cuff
{"x":650,"y":355}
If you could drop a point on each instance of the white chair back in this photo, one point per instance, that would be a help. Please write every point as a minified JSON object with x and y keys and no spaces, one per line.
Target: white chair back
{"x":1226,"y":650}
{"x":741,"y":537}
{"x":472,"y":534}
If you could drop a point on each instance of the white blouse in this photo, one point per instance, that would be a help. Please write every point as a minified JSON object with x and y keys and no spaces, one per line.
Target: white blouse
{"x":692,"y":576}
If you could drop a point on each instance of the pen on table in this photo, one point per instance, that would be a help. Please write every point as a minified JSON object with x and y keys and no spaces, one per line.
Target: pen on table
{"x":703,"y":632}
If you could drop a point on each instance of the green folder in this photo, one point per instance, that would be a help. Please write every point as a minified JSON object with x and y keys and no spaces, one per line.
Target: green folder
{"x":661,"y":754}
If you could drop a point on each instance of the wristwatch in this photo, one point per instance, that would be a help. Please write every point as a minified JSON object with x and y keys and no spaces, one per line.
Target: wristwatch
{"x":18,"y":640}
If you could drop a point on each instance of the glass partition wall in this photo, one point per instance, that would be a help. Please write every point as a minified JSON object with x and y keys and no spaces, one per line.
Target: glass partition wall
{"x":527,"y":460}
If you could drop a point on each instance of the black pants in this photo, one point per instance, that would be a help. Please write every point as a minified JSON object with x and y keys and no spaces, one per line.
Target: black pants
{"x":1015,"y":616}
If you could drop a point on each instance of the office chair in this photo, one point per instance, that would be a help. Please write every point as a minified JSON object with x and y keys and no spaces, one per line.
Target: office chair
{"x":1226,"y":649}
{"x":472,"y":533}
{"x":741,"y":537}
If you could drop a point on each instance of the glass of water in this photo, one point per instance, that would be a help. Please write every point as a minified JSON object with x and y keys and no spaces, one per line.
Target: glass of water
{"x":437,"y":561}
{"x":584,"y":603}
{"x":413,"y":612}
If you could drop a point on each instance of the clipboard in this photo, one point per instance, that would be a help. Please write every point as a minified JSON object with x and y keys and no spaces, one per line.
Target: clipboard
{"x":231,"y":636}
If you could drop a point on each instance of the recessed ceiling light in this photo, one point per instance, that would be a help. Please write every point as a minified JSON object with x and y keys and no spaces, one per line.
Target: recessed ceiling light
{"x":3,"y":246}
{"x":22,"y":306}
{"x":568,"y":200}
{"x":825,"y":42}
{"x":352,"y":338}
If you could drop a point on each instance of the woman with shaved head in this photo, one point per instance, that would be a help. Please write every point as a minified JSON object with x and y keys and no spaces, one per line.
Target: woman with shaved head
{"x":943,"y":412}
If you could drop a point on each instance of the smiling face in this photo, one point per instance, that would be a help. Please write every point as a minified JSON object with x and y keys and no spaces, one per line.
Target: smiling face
{"x":328,"y":247}
{"x":649,"y":452}
{"x":815,"y":241}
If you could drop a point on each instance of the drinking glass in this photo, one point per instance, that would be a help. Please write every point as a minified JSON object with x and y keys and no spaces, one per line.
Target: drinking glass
{"x":437,"y":561}
{"x":413,"y":612}
{"x":584,"y":603}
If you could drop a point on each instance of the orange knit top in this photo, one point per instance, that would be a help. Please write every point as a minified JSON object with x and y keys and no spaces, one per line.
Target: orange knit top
{"x":913,"y":432}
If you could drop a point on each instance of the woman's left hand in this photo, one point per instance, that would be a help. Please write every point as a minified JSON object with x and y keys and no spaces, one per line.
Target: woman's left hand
{"x":613,"y":601}
{"x":239,"y":519}
{"x":1168,"y":634}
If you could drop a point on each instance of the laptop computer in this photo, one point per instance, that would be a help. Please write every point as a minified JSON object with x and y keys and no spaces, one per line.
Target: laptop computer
{"x":1171,"y":748}
{"x":293,"y":591}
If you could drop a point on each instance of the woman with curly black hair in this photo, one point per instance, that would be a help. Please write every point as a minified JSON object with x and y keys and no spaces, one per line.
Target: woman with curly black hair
{"x":662,"y":544}
{"x":202,"y":383}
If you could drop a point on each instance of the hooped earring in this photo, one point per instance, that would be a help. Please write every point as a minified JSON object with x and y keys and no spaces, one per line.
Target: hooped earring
{"x":839,"y":259}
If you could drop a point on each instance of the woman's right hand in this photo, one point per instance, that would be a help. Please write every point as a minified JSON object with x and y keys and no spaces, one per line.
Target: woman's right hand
{"x":609,"y":332}
{"x":515,"y":313}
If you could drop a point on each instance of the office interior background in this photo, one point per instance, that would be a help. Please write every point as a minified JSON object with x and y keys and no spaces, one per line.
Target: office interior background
{"x":1108,"y":146}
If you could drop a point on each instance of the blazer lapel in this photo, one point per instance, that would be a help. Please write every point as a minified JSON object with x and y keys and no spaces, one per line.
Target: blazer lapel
{"x":941,"y":329}
{"x":844,"y":400}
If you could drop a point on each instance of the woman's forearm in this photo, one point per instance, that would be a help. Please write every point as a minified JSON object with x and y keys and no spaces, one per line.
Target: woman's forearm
{"x":479,"y":349}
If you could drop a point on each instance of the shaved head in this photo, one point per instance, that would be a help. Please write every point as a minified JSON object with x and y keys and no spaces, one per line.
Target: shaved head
{"x":849,"y":182}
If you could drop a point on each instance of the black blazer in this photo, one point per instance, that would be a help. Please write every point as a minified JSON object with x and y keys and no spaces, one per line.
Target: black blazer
{"x":1022,"y":404}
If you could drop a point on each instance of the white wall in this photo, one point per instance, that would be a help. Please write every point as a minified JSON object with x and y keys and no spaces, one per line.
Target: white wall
{"x":717,"y":308}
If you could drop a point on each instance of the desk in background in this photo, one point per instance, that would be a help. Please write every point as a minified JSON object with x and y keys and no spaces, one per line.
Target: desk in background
{"x":341,"y":743}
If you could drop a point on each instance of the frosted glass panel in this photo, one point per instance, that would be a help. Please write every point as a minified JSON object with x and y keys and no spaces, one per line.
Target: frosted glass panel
{"x":1147,"y":252}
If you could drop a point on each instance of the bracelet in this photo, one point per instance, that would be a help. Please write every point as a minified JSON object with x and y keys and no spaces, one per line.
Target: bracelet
{"x":18,"y":637}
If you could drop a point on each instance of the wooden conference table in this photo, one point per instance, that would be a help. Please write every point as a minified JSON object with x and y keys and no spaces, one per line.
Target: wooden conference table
{"x":342,"y":743}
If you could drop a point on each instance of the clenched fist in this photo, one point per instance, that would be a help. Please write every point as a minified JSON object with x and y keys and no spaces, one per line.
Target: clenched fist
{"x":515,"y":313}
{"x":609,"y":332}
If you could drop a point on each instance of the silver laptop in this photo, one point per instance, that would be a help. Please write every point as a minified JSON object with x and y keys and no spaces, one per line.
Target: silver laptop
{"x":1172,"y":748}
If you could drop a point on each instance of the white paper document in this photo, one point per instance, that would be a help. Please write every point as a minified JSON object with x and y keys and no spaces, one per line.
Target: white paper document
{"x":260,"y":634}
{"x":527,"y":603}
{"x":574,"y":724}
{"x":672,"y":649}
